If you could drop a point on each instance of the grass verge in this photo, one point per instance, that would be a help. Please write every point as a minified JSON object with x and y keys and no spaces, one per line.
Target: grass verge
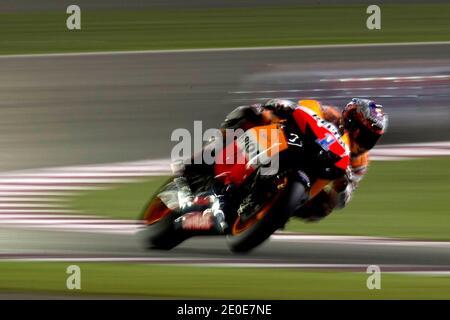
{"x":42,"y":32}
{"x":221,"y":283}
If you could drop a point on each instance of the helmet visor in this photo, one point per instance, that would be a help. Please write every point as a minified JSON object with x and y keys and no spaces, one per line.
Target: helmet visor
{"x":366,"y":138}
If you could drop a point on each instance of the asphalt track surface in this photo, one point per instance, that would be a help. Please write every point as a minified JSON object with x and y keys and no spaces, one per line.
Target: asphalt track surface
{"x":281,"y":251}
{"x":101,"y":108}
{"x":76,"y":109}
{"x":37,"y":224}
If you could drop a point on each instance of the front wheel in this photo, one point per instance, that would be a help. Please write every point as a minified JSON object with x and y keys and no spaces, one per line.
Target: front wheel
{"x":249,"y":233}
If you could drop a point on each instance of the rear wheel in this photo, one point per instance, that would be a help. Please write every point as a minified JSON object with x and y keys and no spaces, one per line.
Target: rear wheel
{"x":246,"y":234}
{"x":159,"y":231}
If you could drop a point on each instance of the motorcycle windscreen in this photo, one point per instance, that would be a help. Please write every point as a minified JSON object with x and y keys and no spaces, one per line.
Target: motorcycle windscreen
{"x":257,"y":147}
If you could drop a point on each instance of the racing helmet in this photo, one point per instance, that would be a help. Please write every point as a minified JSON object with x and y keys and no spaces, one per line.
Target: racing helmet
{"x":280,"y":106}
{"x":366,"y":122}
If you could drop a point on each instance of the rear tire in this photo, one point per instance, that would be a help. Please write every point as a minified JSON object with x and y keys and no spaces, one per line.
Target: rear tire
{"x":160,"y":232}
{"x":275,"y":218}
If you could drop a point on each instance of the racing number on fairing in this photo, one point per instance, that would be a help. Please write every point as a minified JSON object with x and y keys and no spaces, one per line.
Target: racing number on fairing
{"x":294,"y":137}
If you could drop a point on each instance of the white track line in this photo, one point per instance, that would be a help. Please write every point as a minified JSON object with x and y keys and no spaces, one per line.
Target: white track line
{"x":96,"y":223}
{"x":368,"y":79}
{"x":445,"y":144}
{"x":423,"y":273}
{"x":58,"y":194}
{"x":390,"y":158}
{"x":60,"y":176}
{"x":329,"y":97}
{"x":237,"y":49}
{"x":57,"y":180}
{"x":26,"y":188}
{"x":25,"y":204}
{"x":325,"y":90}
{"x":34,"y":210}
{"x":18,"y":217}
{"x":371,"y":241}
{"x":25,"y":200}
{"x":412,"y":152}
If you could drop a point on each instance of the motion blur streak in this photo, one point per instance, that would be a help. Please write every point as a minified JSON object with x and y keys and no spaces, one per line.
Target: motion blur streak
{"x":70,"y":110}
{"x":18,"y":210}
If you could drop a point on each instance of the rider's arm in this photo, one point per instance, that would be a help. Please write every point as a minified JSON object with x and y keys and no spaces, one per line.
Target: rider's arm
{"x":344,"y":190}
{"x":279,"y":107}
{"x":243,"y":117}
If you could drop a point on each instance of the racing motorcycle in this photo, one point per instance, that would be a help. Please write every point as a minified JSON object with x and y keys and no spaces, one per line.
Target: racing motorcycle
{"x":257,"y":201}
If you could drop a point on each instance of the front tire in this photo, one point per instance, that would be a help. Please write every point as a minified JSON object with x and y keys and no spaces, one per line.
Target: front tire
{"x":278,"y":211}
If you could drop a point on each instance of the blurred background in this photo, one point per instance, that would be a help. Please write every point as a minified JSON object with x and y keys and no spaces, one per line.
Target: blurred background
{"x":86,"y":117}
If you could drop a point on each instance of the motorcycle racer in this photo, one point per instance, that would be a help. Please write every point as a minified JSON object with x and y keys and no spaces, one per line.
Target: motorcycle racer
{"x":361,"y":124}
{"x":245,"y":197}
